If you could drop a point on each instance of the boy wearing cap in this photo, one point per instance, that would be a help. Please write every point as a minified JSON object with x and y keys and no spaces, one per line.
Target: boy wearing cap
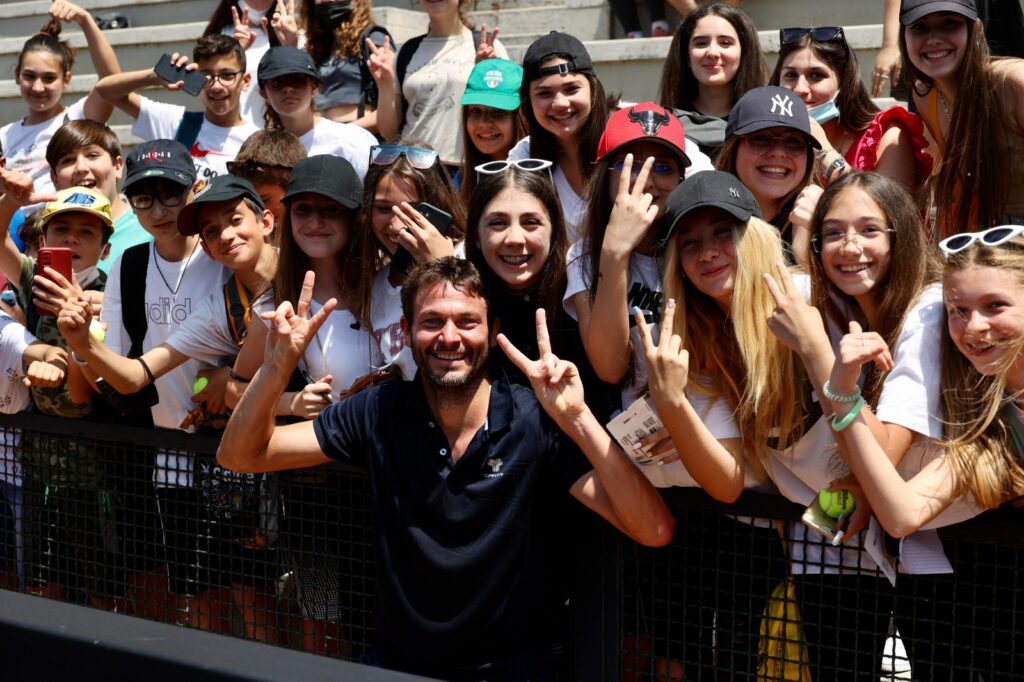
{"x":213,"y":135}
{"x":288,"y":80}
{"x":227,"y":220}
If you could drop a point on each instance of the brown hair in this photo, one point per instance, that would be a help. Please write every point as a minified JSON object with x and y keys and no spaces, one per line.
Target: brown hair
{"x":74,"y":135}
{"x":458,"y":272}
{"x":268,"y":156}
{"x":221,"y":19}
{"x":912,"y":265}
{"x":47,"y":41}
{"x":473,"y":157}
{"x":322,"y":43}
{"x":679,"y":87}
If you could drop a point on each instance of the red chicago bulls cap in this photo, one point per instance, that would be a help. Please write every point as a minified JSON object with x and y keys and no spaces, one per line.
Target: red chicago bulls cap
{"x":644,"y":122}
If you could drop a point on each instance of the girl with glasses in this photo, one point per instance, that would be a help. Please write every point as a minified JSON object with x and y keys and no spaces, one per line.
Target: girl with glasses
{"x":972,"y":107}
{"x":401,"y":176}
{"x":821,"y":68}
{"x":714,"y":59}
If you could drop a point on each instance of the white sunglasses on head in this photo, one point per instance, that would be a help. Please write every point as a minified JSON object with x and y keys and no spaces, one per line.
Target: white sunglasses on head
{"x":495,"y":167}
{"x":994,"y":236}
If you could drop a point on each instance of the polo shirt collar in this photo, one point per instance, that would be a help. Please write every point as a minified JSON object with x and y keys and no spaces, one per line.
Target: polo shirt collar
{"x":500,"y":408}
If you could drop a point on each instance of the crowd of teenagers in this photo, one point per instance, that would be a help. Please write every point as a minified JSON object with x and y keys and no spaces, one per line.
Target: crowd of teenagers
{"x":454,"y":271}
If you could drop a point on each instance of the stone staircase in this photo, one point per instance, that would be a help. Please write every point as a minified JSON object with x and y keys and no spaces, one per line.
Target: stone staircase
{"x":629,"y":67}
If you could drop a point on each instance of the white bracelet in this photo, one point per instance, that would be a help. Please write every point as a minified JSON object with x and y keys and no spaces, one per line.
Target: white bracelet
{"x":79,"y":361}
{"x":838,"y":397}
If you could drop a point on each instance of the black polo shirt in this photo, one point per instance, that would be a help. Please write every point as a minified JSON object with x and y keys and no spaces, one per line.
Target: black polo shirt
{"x":461,"y":546}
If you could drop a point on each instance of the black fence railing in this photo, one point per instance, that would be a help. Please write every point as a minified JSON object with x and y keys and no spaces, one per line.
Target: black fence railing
{"x":142,"y":521}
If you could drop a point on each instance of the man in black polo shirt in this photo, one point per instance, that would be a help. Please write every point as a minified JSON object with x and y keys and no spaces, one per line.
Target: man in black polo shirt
{"x":462,"y":470}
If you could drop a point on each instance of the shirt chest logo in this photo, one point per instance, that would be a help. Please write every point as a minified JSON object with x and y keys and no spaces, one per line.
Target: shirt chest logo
{"x":494,"y":463}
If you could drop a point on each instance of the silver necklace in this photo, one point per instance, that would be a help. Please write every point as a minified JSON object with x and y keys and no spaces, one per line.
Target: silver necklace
{"x":181,"y":275}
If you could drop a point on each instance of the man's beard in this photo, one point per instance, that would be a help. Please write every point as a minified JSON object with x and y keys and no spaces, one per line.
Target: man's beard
{"x":452,"y":384}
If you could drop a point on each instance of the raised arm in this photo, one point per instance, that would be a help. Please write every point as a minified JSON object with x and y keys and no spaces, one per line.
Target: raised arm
{"x":18,"y":191}
{"x":104,"y":60}
{"x":717,"y":465}
{"x":604,"y":322}
{"x":251,"y":441}
{"x":389,"y":100}
{"x":615,"y":489}
{"x":121,"y":89}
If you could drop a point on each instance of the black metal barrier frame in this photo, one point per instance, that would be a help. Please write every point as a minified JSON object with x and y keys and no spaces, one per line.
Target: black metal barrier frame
{"x":741,"y":593}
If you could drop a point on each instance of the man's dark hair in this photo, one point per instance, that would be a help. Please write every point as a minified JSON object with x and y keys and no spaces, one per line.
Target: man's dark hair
{"x":217,"y":45}
{"x":458,"y":272}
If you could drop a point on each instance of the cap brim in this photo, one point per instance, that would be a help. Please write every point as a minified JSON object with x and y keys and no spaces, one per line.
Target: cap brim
{"x":107,"y":222}
{"x":261,"y":78}
{"x":912,"y":15}
{"x":495,"y":100}
{"x":733,"y":210}
{"x":158,"y":173}
{"x":657,"y":140}
{"x":186,"y":218}
{"x":347,"y":202}
{"x":754,"y":126}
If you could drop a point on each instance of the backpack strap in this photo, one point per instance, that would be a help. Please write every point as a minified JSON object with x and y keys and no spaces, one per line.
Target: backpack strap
{"x":238,"y":308}
{"x":188,"y":130}
{"x":134,"y":264}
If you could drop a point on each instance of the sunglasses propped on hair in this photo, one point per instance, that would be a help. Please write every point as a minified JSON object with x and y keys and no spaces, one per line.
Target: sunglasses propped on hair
{"x":420,"y":158}
{"x":822,"y":34}
{"x":994,"y":236}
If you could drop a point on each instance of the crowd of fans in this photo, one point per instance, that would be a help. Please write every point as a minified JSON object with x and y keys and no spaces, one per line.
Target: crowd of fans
{"x":361,"y":254}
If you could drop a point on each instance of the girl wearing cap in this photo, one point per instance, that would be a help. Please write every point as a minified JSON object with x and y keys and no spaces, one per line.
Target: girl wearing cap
{"x":565,"y":118}
{"x":722,"y":398}
{"x":819,"y":65}
{"x":769,"y":147}
{"x":401,"y":176}
{"x":323,"y":197}
{"x":491,"y":124}
{"x":972,"y":106}
{"x":288,"y":81}
{"x":714,"y":59}
{"x":420,"y":85}
{"x":642,"y":156}
{"x":982,"y":462}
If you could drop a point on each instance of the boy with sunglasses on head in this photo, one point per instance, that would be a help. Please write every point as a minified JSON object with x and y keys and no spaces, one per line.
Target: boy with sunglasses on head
{"x":212,"y":136}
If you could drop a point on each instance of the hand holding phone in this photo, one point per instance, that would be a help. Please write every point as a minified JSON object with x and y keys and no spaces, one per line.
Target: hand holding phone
{"x":174,"y":72}
{"x":440,"y":220}
{"x":59,"y":259}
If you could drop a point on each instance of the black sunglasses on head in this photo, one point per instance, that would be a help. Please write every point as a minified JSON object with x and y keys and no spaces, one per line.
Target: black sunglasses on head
{"x":822,"y":34}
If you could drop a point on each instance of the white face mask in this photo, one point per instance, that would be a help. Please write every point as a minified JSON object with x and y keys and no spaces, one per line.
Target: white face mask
{"x":87,"y":276}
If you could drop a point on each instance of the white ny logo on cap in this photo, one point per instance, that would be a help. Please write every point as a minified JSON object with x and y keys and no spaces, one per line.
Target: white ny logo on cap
{"x":734,"y":193}
{"x":783,"y":104}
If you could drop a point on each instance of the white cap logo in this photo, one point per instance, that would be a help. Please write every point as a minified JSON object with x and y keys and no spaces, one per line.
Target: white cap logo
{"x":783,"y":104}
{"x":734,"y":193}
{"x":493,"y":78}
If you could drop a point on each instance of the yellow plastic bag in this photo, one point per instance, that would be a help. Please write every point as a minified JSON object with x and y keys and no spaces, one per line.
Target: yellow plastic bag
{"x":782,"y":652}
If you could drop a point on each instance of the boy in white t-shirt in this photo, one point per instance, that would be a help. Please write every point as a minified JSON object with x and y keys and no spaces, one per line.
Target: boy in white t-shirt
{"x":212,"y":139}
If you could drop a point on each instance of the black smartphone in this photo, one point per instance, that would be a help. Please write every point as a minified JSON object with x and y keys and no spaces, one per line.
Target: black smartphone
{"x":194,"y":81}
{"x":442,"y":220}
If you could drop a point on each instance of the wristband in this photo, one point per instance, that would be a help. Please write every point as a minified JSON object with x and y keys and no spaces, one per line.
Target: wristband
{"x":78,"y":361}
{"x":235,"y":377}
{"x":838,"y":426}
{"x":839,"y":397}
{"x":147,"y":370}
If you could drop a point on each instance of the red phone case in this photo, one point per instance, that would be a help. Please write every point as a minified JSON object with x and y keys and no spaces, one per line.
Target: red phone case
{"x":58,"y":258}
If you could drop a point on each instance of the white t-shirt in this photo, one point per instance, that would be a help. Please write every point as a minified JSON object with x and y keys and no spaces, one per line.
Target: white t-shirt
{"x":14,"y":396}
{"x":252,"y":104}
{"x":214,"y":146}
{"x":346,"y":140}
{"x":386,"y":319}
{"x":643,"y":291}
{"x":24,"y":146}
{"x":573,"y":207}
{"x":433,"y":85}
{"x":193,"y":278}
{"x":342,"y":349}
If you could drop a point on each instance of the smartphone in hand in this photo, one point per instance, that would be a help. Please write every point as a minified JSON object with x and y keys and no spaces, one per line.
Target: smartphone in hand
{"x":442,"y":220}
{"x":194,"y":81}
{"x":58,"y":258}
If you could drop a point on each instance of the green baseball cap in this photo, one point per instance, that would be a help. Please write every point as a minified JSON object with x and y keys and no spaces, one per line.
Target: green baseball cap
{"x":494,"y":83}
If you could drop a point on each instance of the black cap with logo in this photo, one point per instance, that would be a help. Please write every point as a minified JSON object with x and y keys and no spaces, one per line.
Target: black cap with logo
{"x":282,"y":60}
{"x":770,"y":107}
{"x":164,"y":159}
{"x":710,"y":188}
{"x":552,"y":44}
{"x":912,"y":10}
{"x":329,"y":176}
{"x":220,"y":188}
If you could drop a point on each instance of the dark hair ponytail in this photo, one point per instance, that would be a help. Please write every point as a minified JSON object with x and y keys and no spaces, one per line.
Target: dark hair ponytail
{"x":48,"y":40}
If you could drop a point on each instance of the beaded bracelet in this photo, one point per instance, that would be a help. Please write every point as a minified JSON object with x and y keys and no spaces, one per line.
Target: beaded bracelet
{"x":839,"y":397}
{"x":838,"y":426}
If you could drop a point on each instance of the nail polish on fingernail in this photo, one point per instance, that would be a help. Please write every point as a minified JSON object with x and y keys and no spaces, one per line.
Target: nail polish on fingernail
{"x":636,"y":310}
{"x":671,"y":303}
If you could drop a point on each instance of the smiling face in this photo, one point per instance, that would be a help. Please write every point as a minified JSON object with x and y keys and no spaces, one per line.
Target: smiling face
{"x":775,"y":173}
{"x":665,"y":176}
{"x":561,"y":102}
{"x":714,"y":51}
{"x":985,"y":309}
{"x":391,"y":191}
{"x":89,"y":166}
{"x":321,"y":227}
{"x":810,"y":77}
{"x":232,"y":234}
{"x":855,"y":245}
{"x":937,"y":43}
{"x":41,"y":82}
{"x":221,"y":99}
{"x":492,"y":131}
{"x":449,"y":336}
{"x":82,"y":233}
{"x":514,"y":234}
{"x":707,"y":253}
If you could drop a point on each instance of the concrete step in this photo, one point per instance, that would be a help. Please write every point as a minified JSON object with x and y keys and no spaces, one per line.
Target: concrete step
{"x":776,"y":14}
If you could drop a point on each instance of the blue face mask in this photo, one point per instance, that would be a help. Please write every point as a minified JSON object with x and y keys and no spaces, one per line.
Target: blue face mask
{"x":823,"y":113}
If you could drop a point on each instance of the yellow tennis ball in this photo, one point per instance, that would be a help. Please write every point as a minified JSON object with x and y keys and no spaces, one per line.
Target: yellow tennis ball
{"x":97,"y":331}
{"x":836,"y":504}
{"x":200,"y":384}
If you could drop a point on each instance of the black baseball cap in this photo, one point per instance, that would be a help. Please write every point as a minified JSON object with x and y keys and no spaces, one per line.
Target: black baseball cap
{"x":769,"y":107}
{"x":554,"y":43}
{"x":164,"y":159}
{"x":220,"y":188}
{"x":912,"y":10}
{"x":329,"y":176}
{"x":285,"y":59}
{"x":709,"y":188}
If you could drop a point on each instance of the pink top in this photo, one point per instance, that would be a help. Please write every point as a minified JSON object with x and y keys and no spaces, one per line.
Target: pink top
{"x":863,"y":153}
